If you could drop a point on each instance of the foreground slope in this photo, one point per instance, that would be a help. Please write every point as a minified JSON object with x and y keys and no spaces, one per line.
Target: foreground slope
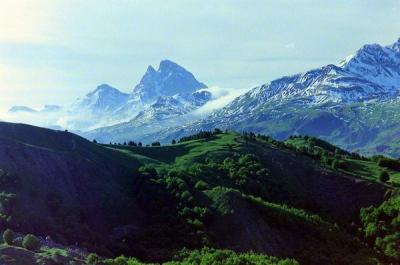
{"x":253,"y":194}
{"x":221,"y":190}
{"x":61,"y":184}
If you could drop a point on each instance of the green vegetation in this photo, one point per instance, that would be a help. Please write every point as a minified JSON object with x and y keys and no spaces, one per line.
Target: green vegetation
{"x":389,"y":163}
{"x":381,"y":227}
{"x":226,"y":257}
{"x":209,"y":256}
{"x":384,"y":176}
{"x":192,"y":184}
{"x":92,"y":259}
{"x":343,"y":161}
{"x":196,"y":200}
{"x":8,"y":236}
{"x":31,"y":242}
{"x":200,"y":135}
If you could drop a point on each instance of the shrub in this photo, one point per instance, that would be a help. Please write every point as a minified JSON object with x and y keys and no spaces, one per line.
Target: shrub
{"x":92,"y":259}
{"x":201,"y":185}
{"x":8,"y":236}
{"x":384,"y":176}
{"x":339,"y":164}
{"x":389,"y":163}
{"x":381,"y":228}
{"x":335,"y":164}
{"x":155,"y":144}
{"x":30,"y":242}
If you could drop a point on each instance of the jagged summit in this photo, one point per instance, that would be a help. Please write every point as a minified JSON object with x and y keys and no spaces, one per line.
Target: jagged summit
{"x":103,"y":99}
{"x":377,"y":64}
{"x":104,"y":88}
{"x":395,"y":46}
{"x":170,"y":79}
{"x":168,"y":65}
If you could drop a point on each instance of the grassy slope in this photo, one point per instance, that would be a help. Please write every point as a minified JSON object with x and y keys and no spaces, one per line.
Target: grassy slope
{"x":183,"y":154}
{"x":367,"y":170}
{"x":301,"y":169}
{"x":303,"y":176}
{"x":62,"y":175}
{"x":265,"y":226}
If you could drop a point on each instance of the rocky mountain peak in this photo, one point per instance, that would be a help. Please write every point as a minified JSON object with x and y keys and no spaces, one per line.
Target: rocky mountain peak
{"x":395,"y":46}
{"x":170,"y":79}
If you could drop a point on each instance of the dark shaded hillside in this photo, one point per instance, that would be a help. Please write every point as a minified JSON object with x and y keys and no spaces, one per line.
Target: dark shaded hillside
{"x":66,"y":186}
{"x":334,"y":193}
{"x":221,"y":190}
{"x":253,"y":205}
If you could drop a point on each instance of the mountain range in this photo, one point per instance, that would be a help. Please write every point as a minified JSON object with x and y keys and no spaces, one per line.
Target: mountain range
{"x":355,"y":104}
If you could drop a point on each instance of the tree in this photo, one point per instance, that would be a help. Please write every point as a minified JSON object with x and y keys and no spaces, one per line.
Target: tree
{"x":335,"y":164}
{"x":30,"y":242}
{"x":8,"y":236}
{"x":92,"y":259}
{"x":140,"y":144}
{"x":173,"y":141}
{"x":94,"y":141}
{"x":155,"y":144}
{"x":384,"y":176}
{"x":217,"y":131}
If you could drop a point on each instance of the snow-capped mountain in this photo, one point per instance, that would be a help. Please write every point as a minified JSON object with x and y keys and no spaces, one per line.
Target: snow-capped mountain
{"x":354,"y":104}
{"x":105,"y":99}
{"x":167,"y":111}
{"x":95,"y":109}
{"x":170,"y":79}
{"x":169,"y":92}
{"x":372,"y":74}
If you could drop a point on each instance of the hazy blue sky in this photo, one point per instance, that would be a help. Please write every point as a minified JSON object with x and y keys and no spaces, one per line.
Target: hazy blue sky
{"x":54,"y":51}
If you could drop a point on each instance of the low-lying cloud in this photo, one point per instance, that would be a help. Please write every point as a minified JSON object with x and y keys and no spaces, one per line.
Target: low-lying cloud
{"x":220,"y":98}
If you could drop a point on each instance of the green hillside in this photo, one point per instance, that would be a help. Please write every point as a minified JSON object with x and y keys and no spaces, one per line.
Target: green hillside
{"x":194,"y":201}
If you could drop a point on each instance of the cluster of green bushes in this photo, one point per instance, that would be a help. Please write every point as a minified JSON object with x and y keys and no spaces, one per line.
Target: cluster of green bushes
{"x":226,"y":257}
{"x":202,"y":256}
{"x":10,"y":184}
{"x":200,"y":135}
{"x":389,"y":163}
{"x":30,"y":242}
{"x":381,"y":227}
{"x":174,"y":197}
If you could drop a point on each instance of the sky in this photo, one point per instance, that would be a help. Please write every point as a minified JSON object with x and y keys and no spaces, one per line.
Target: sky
{"x":53,"y":51}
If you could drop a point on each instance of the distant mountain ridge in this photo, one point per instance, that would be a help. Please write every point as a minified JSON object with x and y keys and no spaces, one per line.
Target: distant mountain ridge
{"x":167,"y":92}
{"x":354,"y":104}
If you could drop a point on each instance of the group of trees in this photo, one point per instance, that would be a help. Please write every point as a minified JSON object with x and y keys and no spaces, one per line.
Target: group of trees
{"x":381,"y":227}
{"x":129,"y":143}
{"x":174,"y":197}
{"x":201,"y":256}
{"x":201,"y":135}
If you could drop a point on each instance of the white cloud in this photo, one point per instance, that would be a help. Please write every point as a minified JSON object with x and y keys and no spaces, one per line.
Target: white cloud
{"x":221,"y":97}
